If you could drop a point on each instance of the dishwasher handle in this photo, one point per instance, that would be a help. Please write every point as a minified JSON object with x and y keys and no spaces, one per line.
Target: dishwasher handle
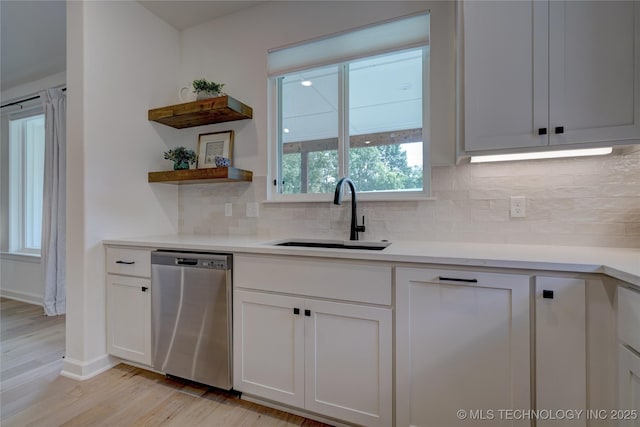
{"x":186,"y":261}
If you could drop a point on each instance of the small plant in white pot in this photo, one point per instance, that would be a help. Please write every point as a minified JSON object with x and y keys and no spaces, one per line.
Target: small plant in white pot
{"x":205,"y":89}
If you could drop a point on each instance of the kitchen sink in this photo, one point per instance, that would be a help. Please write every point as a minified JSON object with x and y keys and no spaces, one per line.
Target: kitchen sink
{"x":334,"y":244}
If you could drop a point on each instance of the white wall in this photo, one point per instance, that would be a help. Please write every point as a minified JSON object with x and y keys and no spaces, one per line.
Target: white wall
{"x":21,"y":277}
{"x":122,"y":60}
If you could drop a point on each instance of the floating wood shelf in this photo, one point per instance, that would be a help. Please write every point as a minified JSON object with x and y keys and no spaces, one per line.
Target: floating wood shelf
{"x":199,"y":176}
{"x":203,"y":112}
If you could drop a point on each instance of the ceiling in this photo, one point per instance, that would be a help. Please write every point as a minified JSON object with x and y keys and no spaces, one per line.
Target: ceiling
{"x":33,"y":33}
{"x":183,"y":14}
{"x":32,"y":41}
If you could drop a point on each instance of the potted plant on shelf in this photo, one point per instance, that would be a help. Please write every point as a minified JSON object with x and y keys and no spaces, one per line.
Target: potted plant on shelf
{"x":181,"y":157}
{"x":206,"y":89}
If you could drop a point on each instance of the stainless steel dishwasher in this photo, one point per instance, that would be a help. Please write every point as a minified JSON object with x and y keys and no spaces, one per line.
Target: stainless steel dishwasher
{"x":191,"y":312}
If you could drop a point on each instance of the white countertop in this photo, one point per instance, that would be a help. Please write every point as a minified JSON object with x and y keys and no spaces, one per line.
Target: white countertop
{"x":621,"y":263}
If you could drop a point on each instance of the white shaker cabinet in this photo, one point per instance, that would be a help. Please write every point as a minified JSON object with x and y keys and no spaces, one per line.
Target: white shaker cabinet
{"x":629,"y":356}
{"x":332,"y":358}
{"x":129,"y":304}
{"x":462,"y":343}
{"x":539,"y":74}
{"x":629,"y":388}
{"x":269,"y":346}
{"x":561,"y":347}
{"x":348,"y":362}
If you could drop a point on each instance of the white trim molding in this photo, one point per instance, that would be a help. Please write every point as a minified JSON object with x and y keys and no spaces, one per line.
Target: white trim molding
{"x":80,"y":371}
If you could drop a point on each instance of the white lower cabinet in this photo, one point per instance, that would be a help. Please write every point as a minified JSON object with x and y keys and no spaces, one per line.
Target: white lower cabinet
{"x":269,"y":346}
{"x":129,"y":318}
{"x":331,"y":358}
{"x":348,"y":362}
{"x":561,"y":348}
{"x":462,"y":347}
{"x":629,"y":387}
{"x":629,"y":357}
{"x":129,"y":303}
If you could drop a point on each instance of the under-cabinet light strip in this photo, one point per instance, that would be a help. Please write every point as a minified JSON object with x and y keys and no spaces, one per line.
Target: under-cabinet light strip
{"x":542,"y":155}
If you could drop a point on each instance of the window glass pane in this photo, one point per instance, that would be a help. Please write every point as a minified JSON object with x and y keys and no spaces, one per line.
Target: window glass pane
{"x":34,"y":175}
{"x":309,"y":135}
{"x":385,"y":122}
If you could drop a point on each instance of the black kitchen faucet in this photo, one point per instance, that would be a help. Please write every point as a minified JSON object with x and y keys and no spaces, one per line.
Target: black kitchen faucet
{"x":355,"y":228}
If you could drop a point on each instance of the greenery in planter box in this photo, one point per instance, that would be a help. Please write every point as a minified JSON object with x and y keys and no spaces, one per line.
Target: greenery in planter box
{"x":203,"y":85}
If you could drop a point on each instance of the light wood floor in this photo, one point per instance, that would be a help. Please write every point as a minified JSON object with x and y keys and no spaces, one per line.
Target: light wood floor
{"x":29,"y":340}
{"x":32,"y":393}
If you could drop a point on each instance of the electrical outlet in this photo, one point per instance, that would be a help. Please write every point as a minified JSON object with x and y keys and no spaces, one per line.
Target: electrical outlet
{"x":518,"y":207}
{"x":228,"y":209}
{"x":252,"y":209}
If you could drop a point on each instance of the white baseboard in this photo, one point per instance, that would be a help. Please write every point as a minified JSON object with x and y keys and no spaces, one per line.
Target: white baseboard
{"x":80,"y":371}
{"x":27,"y":297}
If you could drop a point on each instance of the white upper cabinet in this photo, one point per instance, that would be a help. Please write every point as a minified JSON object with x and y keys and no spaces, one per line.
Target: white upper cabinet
{"x":541,"y":74}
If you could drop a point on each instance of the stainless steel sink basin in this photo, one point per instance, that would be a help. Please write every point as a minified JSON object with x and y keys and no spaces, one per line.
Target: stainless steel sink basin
{"x":333,"y":244}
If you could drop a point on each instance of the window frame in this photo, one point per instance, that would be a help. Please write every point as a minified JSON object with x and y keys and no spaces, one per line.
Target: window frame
{"x":275,"y":129}
{"x":17,"y":192}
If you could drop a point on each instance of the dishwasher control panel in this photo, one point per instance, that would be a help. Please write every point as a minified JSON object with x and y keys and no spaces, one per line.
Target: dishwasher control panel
{"x":192,"y":259}
{"x":217,"y":265}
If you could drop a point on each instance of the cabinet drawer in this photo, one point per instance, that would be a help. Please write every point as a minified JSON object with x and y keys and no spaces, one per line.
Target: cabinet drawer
{"x":333,"y":279}
{"x":470,"y":278}
{"x":629,"y":317}
{"x":132,"y":262}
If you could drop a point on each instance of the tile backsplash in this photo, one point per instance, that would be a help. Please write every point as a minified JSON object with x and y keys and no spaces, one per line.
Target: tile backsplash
{"x":592,"y":201}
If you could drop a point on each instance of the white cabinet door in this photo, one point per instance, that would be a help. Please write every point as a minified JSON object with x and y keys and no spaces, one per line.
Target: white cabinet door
{"x":561,"y":346}
{"x":349,"y":362}
{"x":129,"y":318}
{"x":462,"y":343}
{"x":629,"y":387}
{"x":594,"y":71}
{"x":505,"y":74}
{"x":629,"y":317}
{"x":269,"y":346}
{"x":540,"y":73}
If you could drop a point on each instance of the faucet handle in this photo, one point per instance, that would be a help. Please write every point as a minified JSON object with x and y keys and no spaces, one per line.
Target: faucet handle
{"x":360,"y":228}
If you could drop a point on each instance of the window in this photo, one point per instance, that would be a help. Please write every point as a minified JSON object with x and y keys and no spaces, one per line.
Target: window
{"x":361,"y":116}
{"x":26,"y":174}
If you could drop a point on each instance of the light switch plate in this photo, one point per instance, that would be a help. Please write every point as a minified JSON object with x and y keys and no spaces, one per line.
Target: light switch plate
{"x":228,"y":209}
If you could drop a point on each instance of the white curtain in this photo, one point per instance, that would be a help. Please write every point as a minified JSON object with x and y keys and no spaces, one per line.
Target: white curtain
{"x":53,"y":249}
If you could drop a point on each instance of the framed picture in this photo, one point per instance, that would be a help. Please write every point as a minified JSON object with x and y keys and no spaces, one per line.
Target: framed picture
{"x":212,"y":145}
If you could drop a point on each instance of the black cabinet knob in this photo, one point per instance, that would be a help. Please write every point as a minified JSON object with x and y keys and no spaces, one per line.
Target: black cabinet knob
{"x":307,"y":313}
{"x":296,"y":311}
{"x":559,"y":129}
{"x":144,"y":289}
{"x":547,"y":294}
{"x":542,"y":131}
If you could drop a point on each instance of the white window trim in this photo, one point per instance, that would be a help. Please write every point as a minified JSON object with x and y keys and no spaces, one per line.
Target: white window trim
{"x":273,"y":128}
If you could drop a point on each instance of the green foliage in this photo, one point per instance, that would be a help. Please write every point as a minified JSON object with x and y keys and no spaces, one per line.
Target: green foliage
{"x":181,"y":154}
{"x":203,"y":85}
{"x":376,"y":168}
